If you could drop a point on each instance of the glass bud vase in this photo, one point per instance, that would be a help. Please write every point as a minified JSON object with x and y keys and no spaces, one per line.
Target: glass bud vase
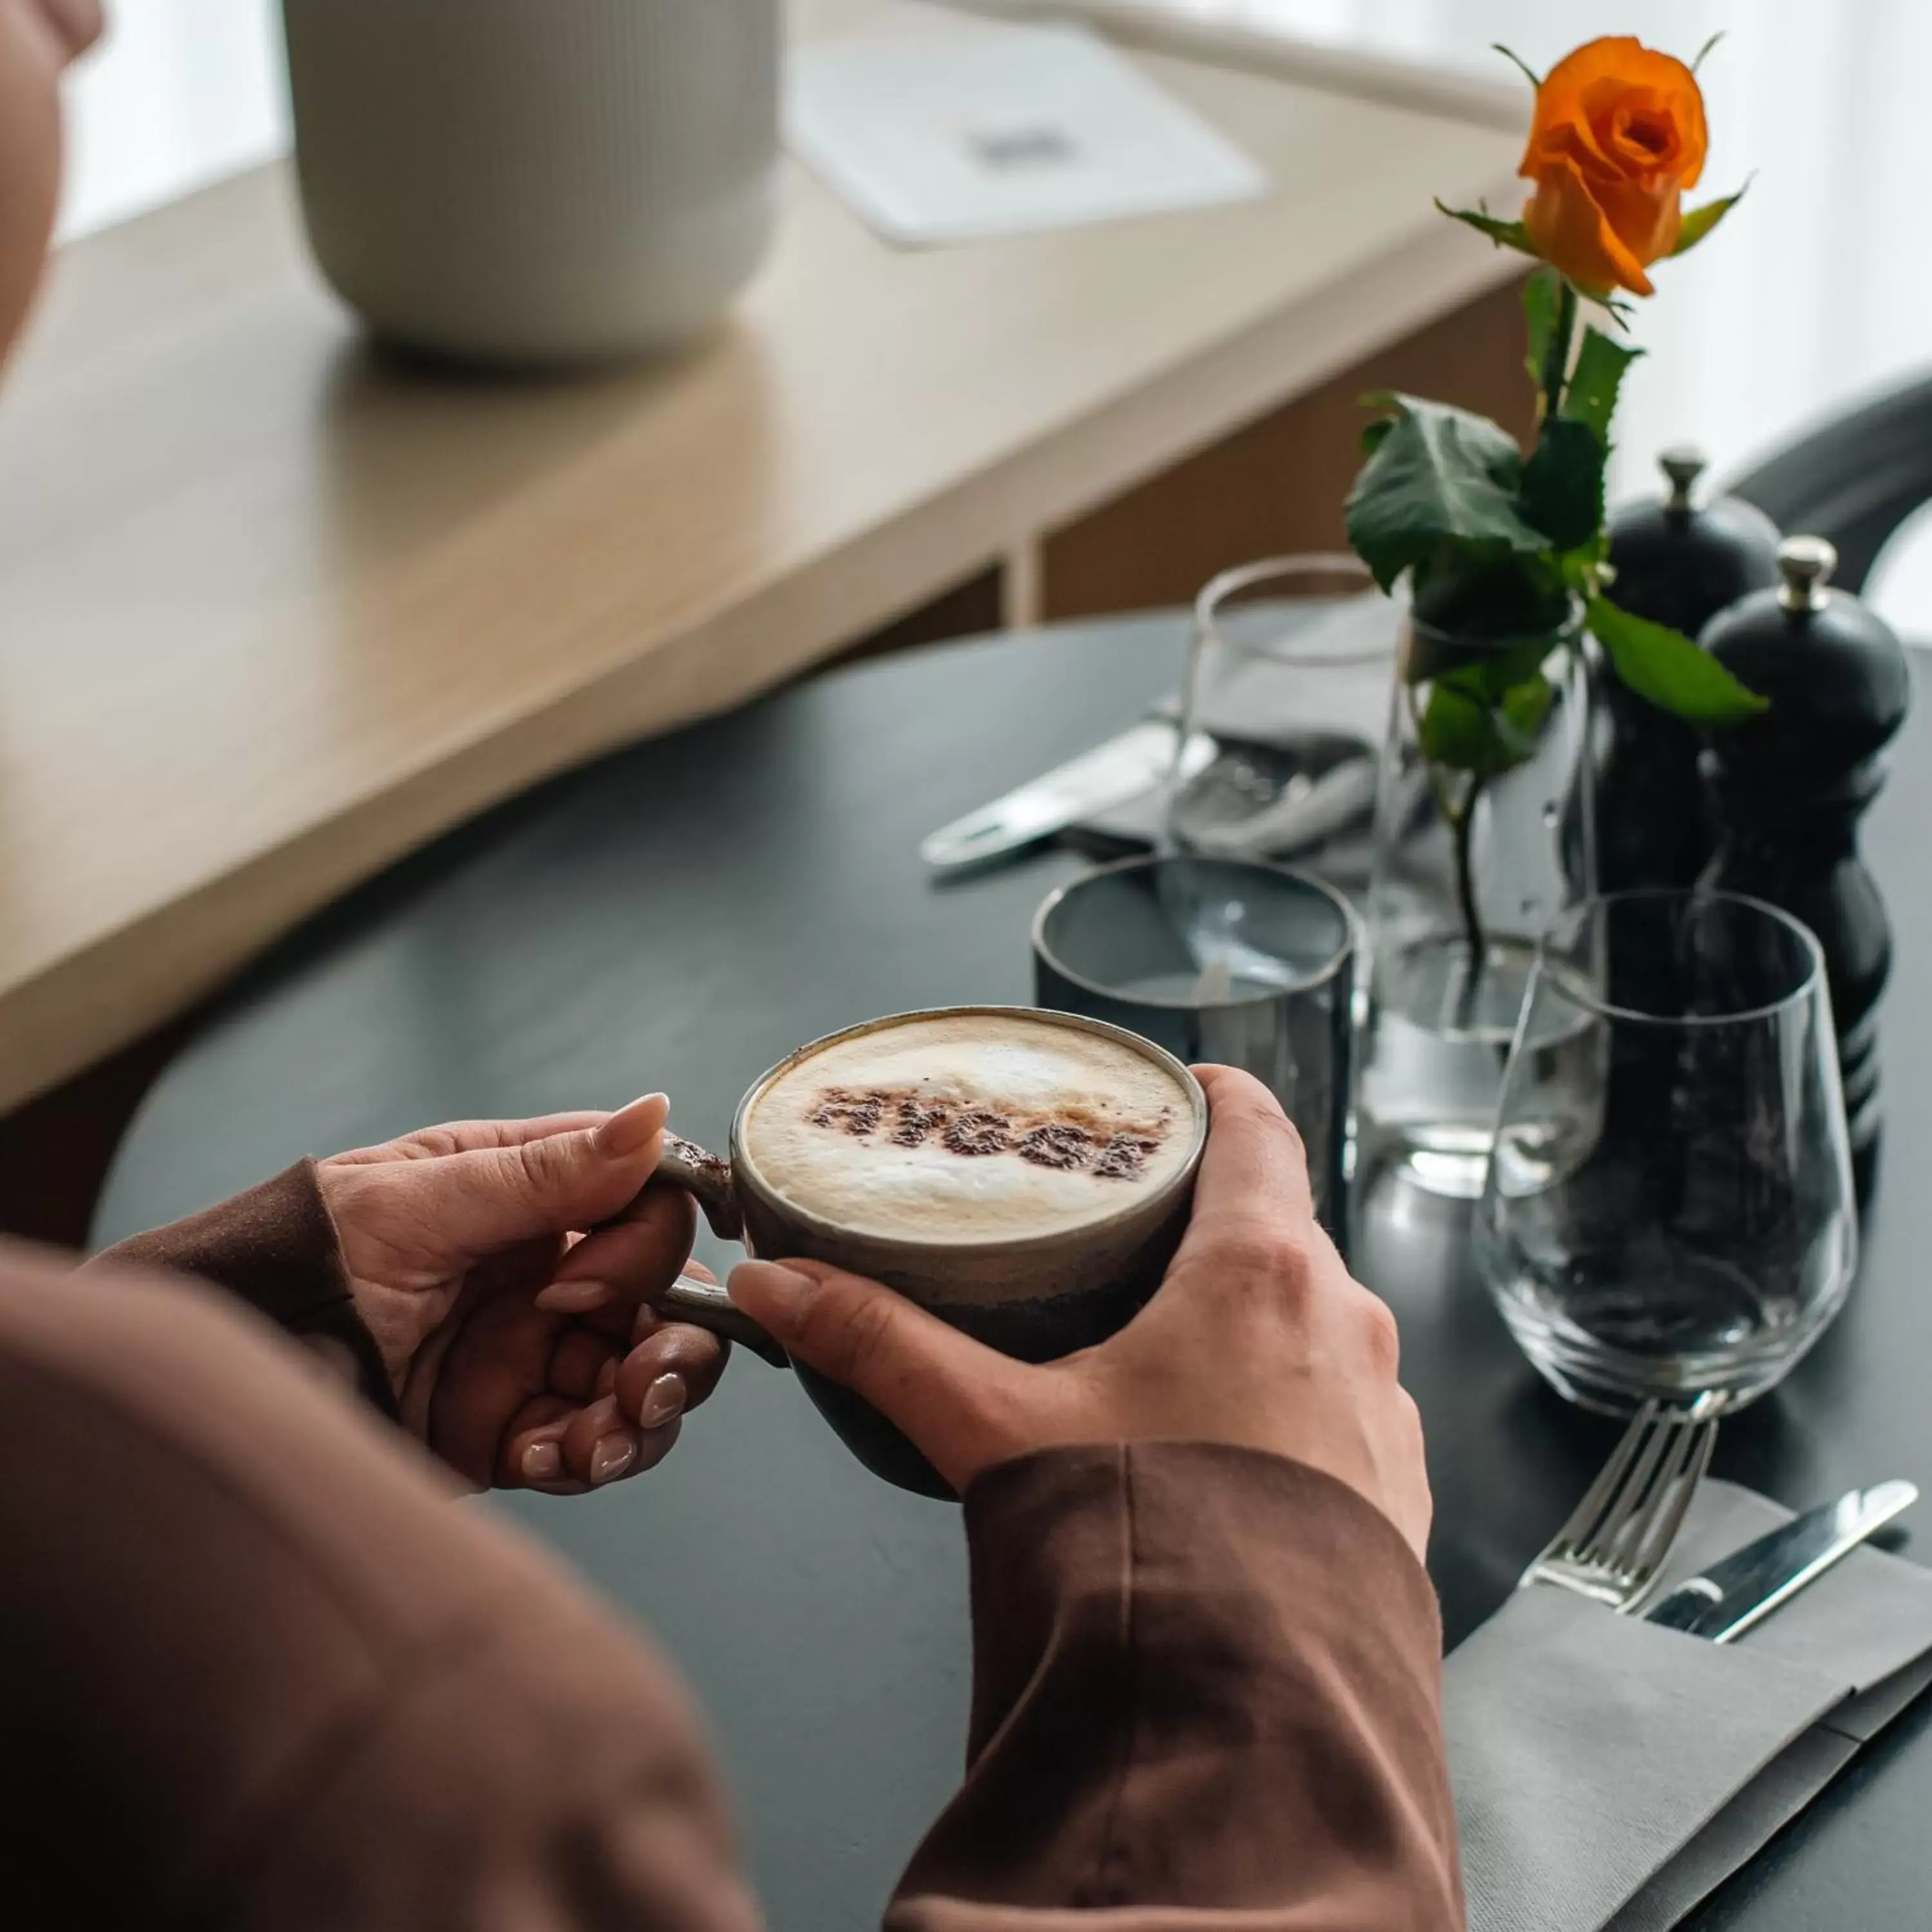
{"x":1483,"y":837}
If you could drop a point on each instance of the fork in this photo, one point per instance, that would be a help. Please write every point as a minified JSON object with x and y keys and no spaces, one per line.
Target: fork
{"x":1614,"y":1543}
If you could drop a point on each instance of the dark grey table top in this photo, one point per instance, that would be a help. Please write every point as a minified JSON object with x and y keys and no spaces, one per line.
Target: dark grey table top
{"x":681,"y":915}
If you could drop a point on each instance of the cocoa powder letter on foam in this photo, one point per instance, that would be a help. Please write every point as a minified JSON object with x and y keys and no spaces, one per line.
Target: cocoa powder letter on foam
{"x":975,"y":1126}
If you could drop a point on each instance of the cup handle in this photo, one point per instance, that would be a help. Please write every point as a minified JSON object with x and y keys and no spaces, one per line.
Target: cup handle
{"x":704,"y":1304}
{"x":707,"y":1179}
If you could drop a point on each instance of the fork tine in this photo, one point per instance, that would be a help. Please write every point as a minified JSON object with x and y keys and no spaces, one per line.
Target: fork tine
{"x":1639,"y":1498}
{"x":1597,"y":1498}
{"x":1692,"y":1457}
{"x":1623,"y":1523}
{"x":1612,"y":1548}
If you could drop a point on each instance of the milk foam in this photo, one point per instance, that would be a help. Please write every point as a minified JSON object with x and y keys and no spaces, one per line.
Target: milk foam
{"x":970,"y":1128}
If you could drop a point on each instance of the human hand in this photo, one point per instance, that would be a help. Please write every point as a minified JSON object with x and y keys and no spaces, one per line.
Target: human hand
{"x":1257,"y":1337}
{"x":521,"y":1345}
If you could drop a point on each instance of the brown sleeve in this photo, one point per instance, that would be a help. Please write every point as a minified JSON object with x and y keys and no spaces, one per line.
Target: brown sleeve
{"x":258,"y":1668}
{"x":274,"y":1246}
{"x":1204,"y":1679}
{"x":255,"y":1666}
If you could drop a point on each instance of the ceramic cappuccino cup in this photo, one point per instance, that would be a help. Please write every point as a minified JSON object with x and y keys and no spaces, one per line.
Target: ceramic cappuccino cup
{"x":1024,"y":1176}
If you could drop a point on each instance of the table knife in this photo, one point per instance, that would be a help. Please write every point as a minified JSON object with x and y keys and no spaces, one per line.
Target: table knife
{"x":1739,"y":1593}
{"x":1109,"y":775}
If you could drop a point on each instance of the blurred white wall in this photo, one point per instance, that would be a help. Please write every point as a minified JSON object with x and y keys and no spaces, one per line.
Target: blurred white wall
{"x":182,"y":93}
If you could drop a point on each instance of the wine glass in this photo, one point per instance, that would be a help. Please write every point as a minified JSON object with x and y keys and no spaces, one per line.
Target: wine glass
{"x":1669,"y":1213}
{"x":1282,"y":712}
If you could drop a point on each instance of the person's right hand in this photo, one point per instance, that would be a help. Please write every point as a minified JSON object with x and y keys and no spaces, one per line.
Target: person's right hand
{"x":1257,"y":1337}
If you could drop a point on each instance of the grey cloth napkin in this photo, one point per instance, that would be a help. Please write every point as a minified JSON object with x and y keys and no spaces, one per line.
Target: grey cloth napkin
{"x":1610,"y":1773}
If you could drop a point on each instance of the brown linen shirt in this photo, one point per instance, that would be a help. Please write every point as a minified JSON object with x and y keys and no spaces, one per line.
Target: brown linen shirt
{"x":256,"y":1671}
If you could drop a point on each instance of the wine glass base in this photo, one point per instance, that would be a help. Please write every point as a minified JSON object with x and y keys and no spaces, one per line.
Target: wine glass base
{"x":1612,"y":1381}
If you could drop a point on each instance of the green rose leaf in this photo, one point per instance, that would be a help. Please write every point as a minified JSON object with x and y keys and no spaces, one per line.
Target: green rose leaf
{"x":1698,"y":222}
{"x":1456,"y":731}
{"x":1563,"y":483}
{"x":1578,"y":567}
{"x":1491,"y":677}
{"x":1503,"y":234}
{"x":1461,"y":730}
{"x":1524,"y":708}
{"x":1479,"y":605}
{"x":1529,"y":72}
{"x":1513,"y":668}
{"x":1438,"y":477}
{"x":1664,"y":667}
{"x":1591,"y":399}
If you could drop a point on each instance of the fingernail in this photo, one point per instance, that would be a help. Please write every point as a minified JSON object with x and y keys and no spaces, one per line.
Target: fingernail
{"x":776,"y":1291}
{"x":574,"y":1297}
{"x":606,"y":1378}
{"x":628,"y":1130}
{"x":612,"y":1457}
{"x":543,"y":1462}
{"x":663,"y":1399}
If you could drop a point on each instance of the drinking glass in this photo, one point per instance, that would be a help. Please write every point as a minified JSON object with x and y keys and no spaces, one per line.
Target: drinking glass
{"x":1221,"y":960}
{"x":1669,"y":1213}
{"x":1288,"y":681}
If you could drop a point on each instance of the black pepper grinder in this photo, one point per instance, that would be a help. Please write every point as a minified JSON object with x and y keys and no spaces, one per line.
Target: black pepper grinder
{"x":1789,"y":787}
{"x":1680,"y":565}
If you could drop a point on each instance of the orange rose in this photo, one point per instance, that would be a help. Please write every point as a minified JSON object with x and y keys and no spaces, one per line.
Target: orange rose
{"x":1617,"y":136}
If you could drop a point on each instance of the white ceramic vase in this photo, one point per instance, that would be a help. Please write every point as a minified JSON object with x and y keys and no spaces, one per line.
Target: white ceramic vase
{"x":536,"y":181}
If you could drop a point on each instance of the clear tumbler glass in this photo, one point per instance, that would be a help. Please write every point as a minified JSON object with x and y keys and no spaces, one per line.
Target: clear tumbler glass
{"x":1669,"y":1212}
{"x":1215,"y":959}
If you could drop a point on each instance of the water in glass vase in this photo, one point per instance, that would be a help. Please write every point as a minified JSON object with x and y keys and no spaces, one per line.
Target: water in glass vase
{"x":1438,"y":1044}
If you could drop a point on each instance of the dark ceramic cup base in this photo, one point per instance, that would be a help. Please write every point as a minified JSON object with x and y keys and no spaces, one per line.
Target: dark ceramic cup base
{"x":1031,"y":1331}
{"x":870,"y":1438}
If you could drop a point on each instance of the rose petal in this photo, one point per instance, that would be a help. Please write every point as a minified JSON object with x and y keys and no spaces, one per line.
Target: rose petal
{"x":1577,"y":105}
{"x":1570,"y":229}
{"x":1645,"y":219}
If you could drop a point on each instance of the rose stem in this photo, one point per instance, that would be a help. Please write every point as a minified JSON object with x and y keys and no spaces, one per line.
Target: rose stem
{"x":1556,"y":357}
{"x":1463,"y":824}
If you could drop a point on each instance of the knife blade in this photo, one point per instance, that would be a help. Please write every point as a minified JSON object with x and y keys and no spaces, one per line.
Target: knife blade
{"x":1109,"y":775}
{"x":1739,"y":1592}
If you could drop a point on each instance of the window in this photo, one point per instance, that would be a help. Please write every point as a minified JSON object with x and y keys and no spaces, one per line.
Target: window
{"x":181,"y":93}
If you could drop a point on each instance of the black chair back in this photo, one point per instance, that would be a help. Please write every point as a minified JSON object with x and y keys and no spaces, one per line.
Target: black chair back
{"x":1853,"y":481}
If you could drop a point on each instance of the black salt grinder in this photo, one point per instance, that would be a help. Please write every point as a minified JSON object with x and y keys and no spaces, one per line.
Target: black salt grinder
{"x":1788,"y":787}
{"x":1677,"y":564}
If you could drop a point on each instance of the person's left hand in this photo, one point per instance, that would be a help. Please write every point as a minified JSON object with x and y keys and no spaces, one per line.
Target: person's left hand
{"x":520,"y":1343}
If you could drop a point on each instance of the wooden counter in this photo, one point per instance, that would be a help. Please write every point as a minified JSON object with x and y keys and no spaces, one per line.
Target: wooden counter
{"x":273,"y":612}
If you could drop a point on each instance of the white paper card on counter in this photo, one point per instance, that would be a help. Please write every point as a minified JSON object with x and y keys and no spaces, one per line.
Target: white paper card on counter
{"x":973,"y":131}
